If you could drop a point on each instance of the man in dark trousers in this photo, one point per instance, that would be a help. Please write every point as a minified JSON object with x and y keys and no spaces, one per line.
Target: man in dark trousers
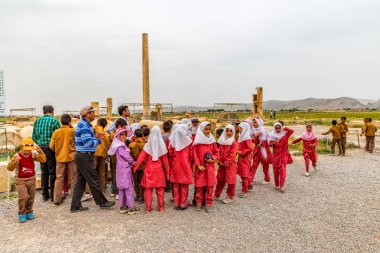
{"x":85,"y":144}
{"x":42,"y":131}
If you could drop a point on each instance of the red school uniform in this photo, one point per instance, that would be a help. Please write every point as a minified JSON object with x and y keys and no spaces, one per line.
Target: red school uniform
{"x":258,"y":158}
{"x":309,"y":151}
{"x":244,"y":162}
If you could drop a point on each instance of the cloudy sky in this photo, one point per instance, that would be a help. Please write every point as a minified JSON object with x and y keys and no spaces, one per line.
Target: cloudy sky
{"x":69,"y":53}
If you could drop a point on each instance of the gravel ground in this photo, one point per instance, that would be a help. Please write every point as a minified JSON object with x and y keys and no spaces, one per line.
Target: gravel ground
{"x":334,"y":210}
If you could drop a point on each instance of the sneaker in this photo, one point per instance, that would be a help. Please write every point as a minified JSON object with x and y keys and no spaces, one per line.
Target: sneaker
{"x":217,"y":198}
{"x":183,"y":207}
{"x":80,"y":209}
{"x":227,"y":201}
{"x":198,"y":208}
{"x":265,"y":182}
{"x":45,"y":198}
{"x":250,"y":188}
{"x":243,"y":195}
{"x":124,"y":210}
{"x":86,"y":196}
{"x":307,"y":174}
{"x":282,"y":190}
{"x":177,"y":208}
{"x":133,"y":210}
{"x":22,"y":218}
{"x":208,"y":209}
{"x":117,"y":197}
{"x":30,"y":216}
{"x":107,"y":204}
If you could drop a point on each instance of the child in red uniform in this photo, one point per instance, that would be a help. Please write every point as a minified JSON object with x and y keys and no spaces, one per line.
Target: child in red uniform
{"x":227,"y":164}
{"x":23,"y":162}
{"x":310,"y":141}
{"x":245,"y":149}
{"x":206,"y":153}
{"x":261,"y":152}
{"x":278,"y":139}
{"x":181,"y":173}
{"x":155,"y":168}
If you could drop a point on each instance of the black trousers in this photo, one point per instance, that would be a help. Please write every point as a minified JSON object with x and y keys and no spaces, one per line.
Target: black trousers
{"x":86,"y":173}
{"x":48,"y":172}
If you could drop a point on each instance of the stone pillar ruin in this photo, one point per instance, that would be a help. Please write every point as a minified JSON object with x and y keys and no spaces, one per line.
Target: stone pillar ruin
{"x":257,"y":105}
{"x":95,"y":105}
{"x":109,"y":108}
{"x":145,"y":63}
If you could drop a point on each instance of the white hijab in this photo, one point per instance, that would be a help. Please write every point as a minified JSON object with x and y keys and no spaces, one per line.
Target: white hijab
{"x":277,"y":136}
{"x":200,"y":137}
{"x":260,"y":129}
{"x":179,"y":139}
{"x":155,"y":146}
{"x":246,"y":133}
{"x":223,"y":140}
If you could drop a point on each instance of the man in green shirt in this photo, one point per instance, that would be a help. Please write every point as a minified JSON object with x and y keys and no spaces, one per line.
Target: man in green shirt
{"x":42,"y":131}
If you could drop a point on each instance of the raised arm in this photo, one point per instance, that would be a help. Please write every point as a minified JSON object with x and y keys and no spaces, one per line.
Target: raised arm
{"x":296,"y":141}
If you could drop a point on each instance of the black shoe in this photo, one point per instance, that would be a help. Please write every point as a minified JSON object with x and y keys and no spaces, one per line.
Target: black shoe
{"x":177,"y":208}
{"x":45,"y":198}
{"x":80,"y":209}
{"x":183,"y":207}
{"x":107,"y":204}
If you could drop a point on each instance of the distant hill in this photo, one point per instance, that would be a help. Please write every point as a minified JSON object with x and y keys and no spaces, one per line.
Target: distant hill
{"x":315,"y":104}
{"x":318,"y":104}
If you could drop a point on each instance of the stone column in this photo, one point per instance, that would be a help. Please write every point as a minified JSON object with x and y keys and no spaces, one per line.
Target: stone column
{"x":95,"y":105}
{"x":109,"y":108}
{"x":145,"y":63}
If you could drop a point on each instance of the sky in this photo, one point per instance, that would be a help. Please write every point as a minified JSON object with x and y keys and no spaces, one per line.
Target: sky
{"x":69,"y":53}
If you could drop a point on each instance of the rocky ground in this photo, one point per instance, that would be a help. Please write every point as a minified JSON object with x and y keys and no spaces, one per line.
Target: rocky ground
{"x":336,"y":209}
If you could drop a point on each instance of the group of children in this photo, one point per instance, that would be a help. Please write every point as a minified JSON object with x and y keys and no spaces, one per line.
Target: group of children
{"x":186,"y":153}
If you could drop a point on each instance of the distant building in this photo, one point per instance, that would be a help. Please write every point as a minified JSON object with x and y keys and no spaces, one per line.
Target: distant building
{"x":2,"y":95}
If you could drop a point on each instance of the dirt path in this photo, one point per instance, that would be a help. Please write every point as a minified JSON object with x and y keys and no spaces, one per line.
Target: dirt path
{"x":334,"y":210}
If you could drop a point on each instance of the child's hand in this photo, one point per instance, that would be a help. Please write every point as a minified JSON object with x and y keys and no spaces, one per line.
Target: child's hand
{"x":17,"y":159}
{"x":210,"y":160}
{"x":201,"y":167}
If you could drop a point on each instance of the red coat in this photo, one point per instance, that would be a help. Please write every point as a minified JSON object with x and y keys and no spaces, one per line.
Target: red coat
{"x":228,"y":162}
{"x":154,"y":171}
{"x":281,"y":155}
{"x":208,"y":176}
{"x":257,"y":152}
{"x":245,"y":156}
{"x":308,"y":147}
{"x":180,"y":165}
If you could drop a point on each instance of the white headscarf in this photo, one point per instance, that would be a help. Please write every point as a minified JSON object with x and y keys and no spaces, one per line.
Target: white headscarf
{"x":260,"y":129}
{"x":179,"y":138}
{"x":223,"y":140}
{"x":134,"y":127}
{"x":200,"y":137}
{"x":277,"y":136}
{"x":246,"y":133}
{"x":155,"y":146}
{"x":249,"y":122}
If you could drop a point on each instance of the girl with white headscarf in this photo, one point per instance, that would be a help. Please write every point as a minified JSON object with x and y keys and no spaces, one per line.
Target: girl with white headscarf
{"x":227,"y":164}
{"x":181,"y":173}
{"x":206,"y":153}
{"x":310,"y":141}
{"x":278,"y":139}
{"x":156,"y":166}
{"x":261,"y":152}
{"x":245,"y":149}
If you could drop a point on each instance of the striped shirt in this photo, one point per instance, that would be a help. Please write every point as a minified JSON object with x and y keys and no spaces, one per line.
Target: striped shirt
{"x":85,"y":140}
{"x":43,"y":129}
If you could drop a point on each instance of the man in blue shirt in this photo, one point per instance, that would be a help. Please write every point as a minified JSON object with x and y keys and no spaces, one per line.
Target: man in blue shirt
{"x":85,"y":144}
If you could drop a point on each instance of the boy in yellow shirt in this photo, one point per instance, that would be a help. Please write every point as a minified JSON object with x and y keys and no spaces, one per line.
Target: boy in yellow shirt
{"x":336,"y":137}
{"x":369,"y":130}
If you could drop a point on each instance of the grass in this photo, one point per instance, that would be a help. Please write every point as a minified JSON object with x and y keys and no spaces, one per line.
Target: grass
{"x":12,"y":195}
{"x":323,"y":146}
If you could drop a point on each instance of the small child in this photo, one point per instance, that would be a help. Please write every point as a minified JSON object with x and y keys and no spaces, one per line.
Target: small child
{"x":218,"y":133}
{"x":124,"y":179}
{"x":278,"y":139}
{"x":227,"y":164}
{"x":167,"y":127}
{"x":310,"y":141}
{"x":245,"y":149}
{"x":336,"y":137}
{"x":343,"y":131}
{"x":136,"y":147}
{"x":155,"y":165}
{"x":62,"y":143}
{"x":206,"y":153}
{"x":23,"y":162}
{"x":146,"y":132}
{"x":101,"y":153}
{"x":181,"y":173}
